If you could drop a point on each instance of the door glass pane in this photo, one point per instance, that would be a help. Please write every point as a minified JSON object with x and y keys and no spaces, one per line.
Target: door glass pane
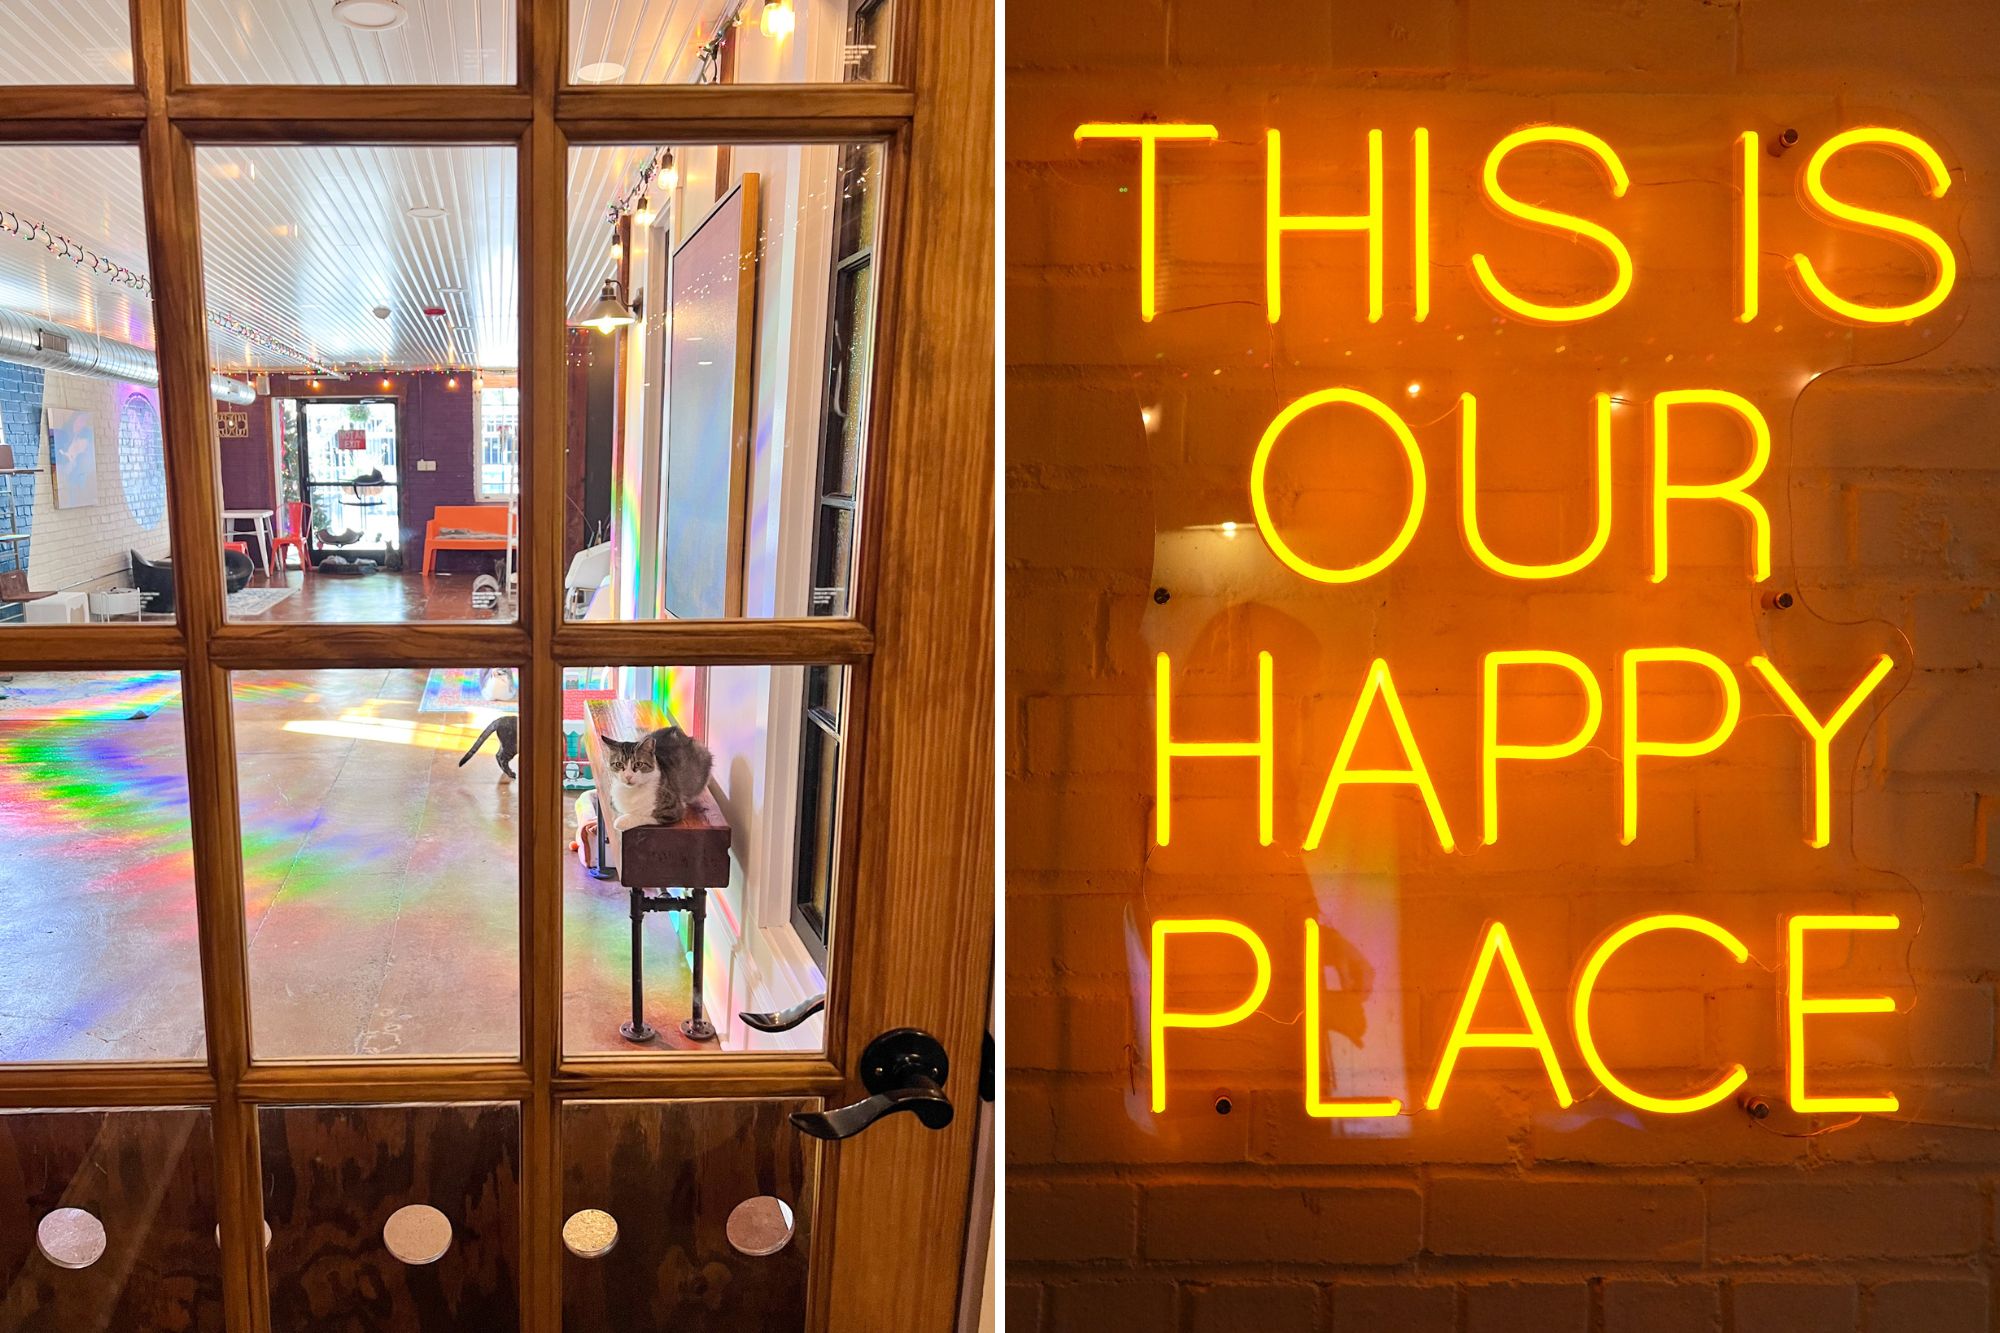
{"x":83,"y":476}
{"x":352,"y":41}
{"x":97,"y":917}
{"x":110,"y":1220}
{"x":731,"y":41}
{"x":380,"y":841}
{"x":726,"y":958}
{"x":372,"y":475}
{"x":82,"y":41}
{"x":718,"y":433}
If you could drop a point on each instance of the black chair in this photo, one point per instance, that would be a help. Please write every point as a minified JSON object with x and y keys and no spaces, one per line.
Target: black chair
{"x":155,"y":579}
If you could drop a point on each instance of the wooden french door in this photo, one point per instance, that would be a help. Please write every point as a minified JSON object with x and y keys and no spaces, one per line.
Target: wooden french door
{"x":891,"y":1205}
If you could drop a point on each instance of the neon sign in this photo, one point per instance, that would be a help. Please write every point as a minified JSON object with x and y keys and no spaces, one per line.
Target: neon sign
{"x":1642,"y":741}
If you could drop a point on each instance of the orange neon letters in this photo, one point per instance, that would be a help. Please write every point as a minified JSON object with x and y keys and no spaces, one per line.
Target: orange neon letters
{"x":1798,"y":1007}
{"x":1734,"y":491}
{"x":1166,"y":749}
{"x":1260,"y":504}
{"x":1339,"y":1108}
{"x":1586,"y":984}
{"x":1164,"y":1018}
{"x":1749,"y":226}
{"x":1496,"y":194}
{"x":1277,"y":223}
{"x":1149,"y":137}
{"x":1634,"y":747}
{"x":1534,"y":1038}
{"x":1914,"y":235}
{"x":1379,"y":685}
{"x":1819,"y":735}
{"x":1468,"y":497}
{"x":1496,"y":946}
{"x":1492,"y":750}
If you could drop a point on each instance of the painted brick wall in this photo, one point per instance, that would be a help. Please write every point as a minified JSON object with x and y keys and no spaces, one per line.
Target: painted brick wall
{"x":1129,"y":444}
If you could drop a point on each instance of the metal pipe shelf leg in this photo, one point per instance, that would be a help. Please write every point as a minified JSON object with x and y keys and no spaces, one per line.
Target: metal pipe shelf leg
{"x":696,"y":1025}
{"x":638,"y":1029}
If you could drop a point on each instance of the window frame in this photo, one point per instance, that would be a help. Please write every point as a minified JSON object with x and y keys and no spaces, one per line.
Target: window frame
{"x":541,"y":115}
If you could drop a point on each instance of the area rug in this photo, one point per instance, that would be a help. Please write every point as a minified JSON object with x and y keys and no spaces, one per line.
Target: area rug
{"x":256,"y":601}
{"x":62,"y":697}
{"x":456,"y":690}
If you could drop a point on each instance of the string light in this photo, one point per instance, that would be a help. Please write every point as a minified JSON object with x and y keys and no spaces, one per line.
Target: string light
{"x":90,"y":261}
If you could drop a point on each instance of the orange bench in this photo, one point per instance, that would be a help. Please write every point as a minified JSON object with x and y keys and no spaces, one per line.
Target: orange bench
{"x":488,"y":521}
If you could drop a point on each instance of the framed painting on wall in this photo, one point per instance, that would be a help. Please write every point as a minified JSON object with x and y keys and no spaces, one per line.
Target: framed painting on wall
{"x":73,"y":457}
{"x":713,"y":294}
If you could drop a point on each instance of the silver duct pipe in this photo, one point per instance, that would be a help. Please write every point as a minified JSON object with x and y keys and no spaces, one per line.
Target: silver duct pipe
{"x":34,"y":341}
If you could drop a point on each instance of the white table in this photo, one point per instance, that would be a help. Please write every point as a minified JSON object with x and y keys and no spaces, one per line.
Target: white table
{"x":260,"y":518}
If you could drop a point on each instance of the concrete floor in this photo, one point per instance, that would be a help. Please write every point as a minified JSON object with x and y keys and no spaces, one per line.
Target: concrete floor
{"x":380,"y":883}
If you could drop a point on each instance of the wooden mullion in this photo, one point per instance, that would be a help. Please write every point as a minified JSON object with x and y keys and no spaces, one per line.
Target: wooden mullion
{"x":28,"y":1087}
{"x":703,"y":1075}
{"x":256,"y":113}
{"x":734,"y":113}
{"x":92,"y":648}
{"x":810,"y":641}
{"x":282,"y":646}
{"x":387,"y":1081}
{"x":44,"y":114}
{"x":543,"y":234}
{"x":194,"y":507}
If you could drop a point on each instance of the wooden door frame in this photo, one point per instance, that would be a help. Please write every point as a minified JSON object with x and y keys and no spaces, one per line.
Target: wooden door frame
{"x":894,"y":1202}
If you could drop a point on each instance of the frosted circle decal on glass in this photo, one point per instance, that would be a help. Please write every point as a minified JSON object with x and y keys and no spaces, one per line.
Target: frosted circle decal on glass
{"x":142,"y":466}
{"x":70,"y":1238}
{"x":417,"y":1233}
{"x":760,"y":1226}
{"x":590,"y":1233}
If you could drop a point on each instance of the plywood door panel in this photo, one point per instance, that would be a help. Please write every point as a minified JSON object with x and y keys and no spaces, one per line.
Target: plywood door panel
{"x":333,"y":1175}
{"x":148,"y":1176}
{"x":671,"y":1172}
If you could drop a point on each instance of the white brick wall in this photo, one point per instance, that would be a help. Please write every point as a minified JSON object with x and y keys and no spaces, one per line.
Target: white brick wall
{"x":87,"y":547}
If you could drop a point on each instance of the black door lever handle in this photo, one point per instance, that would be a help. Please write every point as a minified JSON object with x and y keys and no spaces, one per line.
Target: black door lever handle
{"x":784,"y":1020}
{"x":903,"y":1070}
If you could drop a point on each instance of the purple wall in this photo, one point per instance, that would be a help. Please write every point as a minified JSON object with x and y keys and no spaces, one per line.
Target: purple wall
{"x":248,"y":481}
{"x":437,"y":426}
{"x":436,"y":422}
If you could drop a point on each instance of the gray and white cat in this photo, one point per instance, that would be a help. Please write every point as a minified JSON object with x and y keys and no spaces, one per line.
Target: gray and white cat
{"x":654,"y":778}
{"x":508,"y":728}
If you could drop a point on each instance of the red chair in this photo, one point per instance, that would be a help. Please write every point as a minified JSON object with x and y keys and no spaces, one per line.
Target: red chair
{"x":296,"y":520}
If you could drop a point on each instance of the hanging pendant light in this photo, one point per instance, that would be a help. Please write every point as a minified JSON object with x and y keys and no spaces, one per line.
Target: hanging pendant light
{"x":609,"y":310}
{"x":778,"y":18}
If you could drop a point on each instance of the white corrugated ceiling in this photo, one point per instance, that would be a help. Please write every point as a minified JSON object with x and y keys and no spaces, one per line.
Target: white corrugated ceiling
{"x":300,"y":243}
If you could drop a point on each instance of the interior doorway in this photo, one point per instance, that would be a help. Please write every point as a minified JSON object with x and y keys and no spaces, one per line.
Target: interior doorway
{"x":350,"y":479}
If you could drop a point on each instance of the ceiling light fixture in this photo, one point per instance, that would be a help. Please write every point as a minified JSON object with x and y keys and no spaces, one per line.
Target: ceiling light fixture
{"x":609,"y":310}
{"x":370,"y":15}
{"x":669,"y":174}
{"x":602,"y":71}
{"x":778,"y":20}
{"x":426,"y":212}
